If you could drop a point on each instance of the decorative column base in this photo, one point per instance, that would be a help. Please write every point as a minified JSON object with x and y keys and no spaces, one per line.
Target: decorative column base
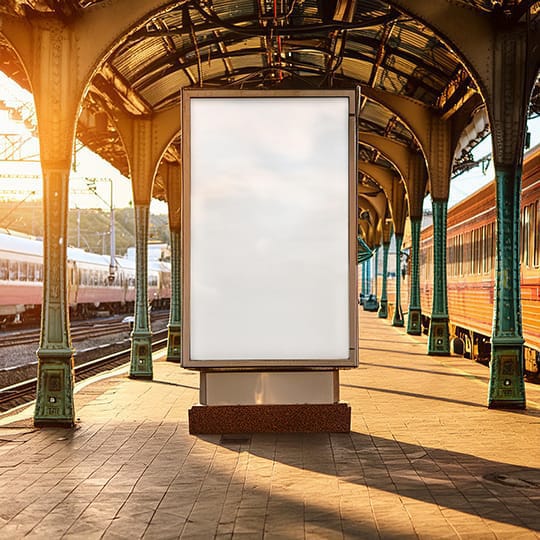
{"x":174,"y":343}
{"x":141,"y":356}
{"x":439,"y":338}
{"x":383,"y":310}
{"x":295,"y":418}
{"x":506,"y":382}
{"x":398,"y":320}
{"x":54,"y":400}
{"x":414,"y":321}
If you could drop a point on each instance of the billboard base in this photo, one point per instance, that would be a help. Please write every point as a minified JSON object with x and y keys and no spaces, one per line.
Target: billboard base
{"x":296,"y":418}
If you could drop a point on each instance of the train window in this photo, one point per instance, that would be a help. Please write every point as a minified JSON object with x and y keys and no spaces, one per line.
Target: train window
{"x":471,"y":254}
{"x":536,"y":260}
{"x":532,"y":230}
{"x":13,"y":271}
{"x":23,"y":271}
{"x":457,"y":270}
{"x":39,"y":272}
{"x":31,"y":271}
{"x":490,"y":246}
{"x":466,"y":257}
{"x":429,"y":263}
{"x":481,"y":254}
{"x":484,"y":268}
{"x":449,"y":257}
{"x":452,"y":256}
{"x":529,"y":235}
{"x":474,"y":250}
{"x":474,"y":254}
{"x":484,"y":249}
{"x":525,"y":229}
{"x":3,"y":269}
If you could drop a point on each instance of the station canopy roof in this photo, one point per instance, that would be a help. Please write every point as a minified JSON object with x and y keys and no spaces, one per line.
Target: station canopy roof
{"x":272,"y":44}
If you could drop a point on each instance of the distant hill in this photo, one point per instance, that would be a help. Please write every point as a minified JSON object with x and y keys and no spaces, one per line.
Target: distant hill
{"x":87,"y":228}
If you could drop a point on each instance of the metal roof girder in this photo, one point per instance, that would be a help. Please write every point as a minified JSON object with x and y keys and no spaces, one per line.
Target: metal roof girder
{"x":469,"y":33}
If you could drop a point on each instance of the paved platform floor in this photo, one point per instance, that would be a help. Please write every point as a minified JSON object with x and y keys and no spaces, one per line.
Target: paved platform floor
{"x":425,"y":459}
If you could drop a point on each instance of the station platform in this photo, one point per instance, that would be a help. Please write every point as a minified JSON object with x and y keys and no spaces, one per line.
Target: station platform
{"x":425,"y":459}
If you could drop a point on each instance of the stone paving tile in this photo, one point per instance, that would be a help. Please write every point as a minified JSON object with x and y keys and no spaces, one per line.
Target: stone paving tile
{"x":417,"y":463}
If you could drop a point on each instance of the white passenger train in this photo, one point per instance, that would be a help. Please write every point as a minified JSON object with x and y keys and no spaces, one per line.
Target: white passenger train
{"x":91,"y":285}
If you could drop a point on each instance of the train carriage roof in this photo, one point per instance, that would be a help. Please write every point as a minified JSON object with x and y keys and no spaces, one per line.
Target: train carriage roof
{"x":13,"y":243}
{"x":80,"y":256}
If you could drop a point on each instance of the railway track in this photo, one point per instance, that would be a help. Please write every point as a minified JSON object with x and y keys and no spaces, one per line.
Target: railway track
{"x":25,"y":392}
{"x":79,"y":332}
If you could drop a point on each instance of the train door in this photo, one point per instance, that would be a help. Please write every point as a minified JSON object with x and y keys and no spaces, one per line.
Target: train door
{"x":73,"y":283}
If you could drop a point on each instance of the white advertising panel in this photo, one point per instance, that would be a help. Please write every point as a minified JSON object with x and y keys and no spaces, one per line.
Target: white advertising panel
{"x":269,"y":229}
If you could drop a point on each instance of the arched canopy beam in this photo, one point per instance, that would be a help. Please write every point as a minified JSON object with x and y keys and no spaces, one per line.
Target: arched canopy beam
{"x":394,"y":191}
{"x":409,"y":163}
{"x":378,"y":201}
{"x":369,"y":226}
{"x":146,"y":140}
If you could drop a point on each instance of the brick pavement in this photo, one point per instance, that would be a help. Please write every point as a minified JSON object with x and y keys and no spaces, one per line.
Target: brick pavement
{"x":425,"y":459}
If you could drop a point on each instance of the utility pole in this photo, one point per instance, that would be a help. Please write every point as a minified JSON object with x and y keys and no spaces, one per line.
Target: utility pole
{"x":112,"y":264}
{"x":91,"y":183}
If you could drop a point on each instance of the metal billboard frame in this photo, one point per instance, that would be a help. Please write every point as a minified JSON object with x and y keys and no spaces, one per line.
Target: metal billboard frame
{"x":348,"y":360}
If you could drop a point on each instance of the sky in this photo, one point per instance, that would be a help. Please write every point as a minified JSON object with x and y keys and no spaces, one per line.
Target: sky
{"x":467,"y":183}
{"x":86,"y":164}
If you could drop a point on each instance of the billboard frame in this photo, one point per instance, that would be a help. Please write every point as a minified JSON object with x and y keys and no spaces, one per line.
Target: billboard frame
{"x":348,"y":361}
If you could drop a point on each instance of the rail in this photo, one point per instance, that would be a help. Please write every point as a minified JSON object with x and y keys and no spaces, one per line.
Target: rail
{"x":78,"y":333}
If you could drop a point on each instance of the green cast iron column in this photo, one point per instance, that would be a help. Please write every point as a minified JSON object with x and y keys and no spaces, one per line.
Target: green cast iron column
{"x":397,"y":320}
{"x":375,"y":271}
{"x":415,"y":310}
{"x":368,"y":276}
{"x":383,"y":306}
{"x":141,"y":337}
{"x":54,"y":395}
{"x":175,"y":329}
{"x":506,"y":384}
{"x":439,"y":339}
{"x":363,"y":279}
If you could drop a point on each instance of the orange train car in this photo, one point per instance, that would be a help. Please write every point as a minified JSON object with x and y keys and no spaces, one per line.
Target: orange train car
{"x":470,"y":263}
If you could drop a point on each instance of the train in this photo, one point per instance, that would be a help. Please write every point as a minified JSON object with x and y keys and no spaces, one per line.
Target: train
{"x":471,"y":266}
{"x":93,"y":288}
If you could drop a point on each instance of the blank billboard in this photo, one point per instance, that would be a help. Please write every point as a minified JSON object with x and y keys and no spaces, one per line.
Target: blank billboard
{"x":269,"y":229}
